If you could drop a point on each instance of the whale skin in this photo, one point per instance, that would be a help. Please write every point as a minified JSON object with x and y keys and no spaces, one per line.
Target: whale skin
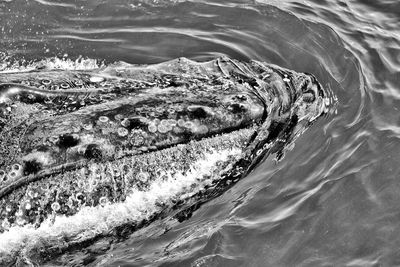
{"x":89,"y":154}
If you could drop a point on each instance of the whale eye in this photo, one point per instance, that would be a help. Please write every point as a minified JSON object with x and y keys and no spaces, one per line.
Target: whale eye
{"x":67,"y":141}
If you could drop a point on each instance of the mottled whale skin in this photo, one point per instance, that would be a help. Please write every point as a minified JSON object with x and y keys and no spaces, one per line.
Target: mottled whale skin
{"x":79,"y":143}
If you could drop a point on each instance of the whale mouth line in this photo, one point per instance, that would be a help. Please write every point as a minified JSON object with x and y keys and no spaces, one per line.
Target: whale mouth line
{"x":61,"y":168}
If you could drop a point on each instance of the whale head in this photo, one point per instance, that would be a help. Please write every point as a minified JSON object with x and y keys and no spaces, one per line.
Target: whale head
{"x":83,"y":153}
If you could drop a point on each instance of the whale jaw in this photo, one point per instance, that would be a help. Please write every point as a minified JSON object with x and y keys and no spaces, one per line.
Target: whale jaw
{"x":124,"y":145}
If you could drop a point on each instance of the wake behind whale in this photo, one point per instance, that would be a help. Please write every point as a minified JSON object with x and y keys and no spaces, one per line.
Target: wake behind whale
{"x":86,"y":154}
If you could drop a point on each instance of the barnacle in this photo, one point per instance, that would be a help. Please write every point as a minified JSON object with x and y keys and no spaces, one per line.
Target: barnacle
{"x":55,"y":206}
{"x":64,"y":85}
{"x":152,"y":128}
{"x":103,"y":119}
{"x":103,"y":201}
{"x":142,"y":176}
{"x":46,"y":82}
{"x":122,"y":131}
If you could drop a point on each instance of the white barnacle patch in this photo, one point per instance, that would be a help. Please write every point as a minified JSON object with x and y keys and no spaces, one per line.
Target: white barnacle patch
{"x":96,"y":79}
{"x":103,"y":119}
{"x":55,"y":206}
{"x":122,"y":131}
{"x":139,"y":205}
{"x":103,"y":201}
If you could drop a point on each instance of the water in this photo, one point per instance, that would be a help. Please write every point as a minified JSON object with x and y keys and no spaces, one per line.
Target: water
{"x":333,"y":200}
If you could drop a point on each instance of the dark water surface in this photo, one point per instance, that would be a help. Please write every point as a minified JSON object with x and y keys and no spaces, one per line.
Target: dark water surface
{"x":334,"y":200}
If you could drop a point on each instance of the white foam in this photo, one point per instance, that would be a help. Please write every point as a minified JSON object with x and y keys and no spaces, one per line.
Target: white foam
{"x":56,"y":63}
{"x":139,"y":205}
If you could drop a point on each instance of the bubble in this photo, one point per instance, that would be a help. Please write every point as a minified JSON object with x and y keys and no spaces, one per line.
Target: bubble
{"x":96,"y":79}
{"x":64,"y":85}
{"x":152,"y":128}
{"x":142,"y":176}
{"x":103,"y":119}
{"x":8,"y":208}
{"x":103,"y":201}
{"x":122,"y":131}
{"x":46,"y":82}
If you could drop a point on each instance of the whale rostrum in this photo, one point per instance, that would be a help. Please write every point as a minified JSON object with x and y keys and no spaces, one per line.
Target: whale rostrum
{"x":84,"y":153}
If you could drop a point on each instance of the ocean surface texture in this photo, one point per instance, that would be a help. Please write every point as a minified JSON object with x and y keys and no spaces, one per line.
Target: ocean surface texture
{"x":334,"y":200}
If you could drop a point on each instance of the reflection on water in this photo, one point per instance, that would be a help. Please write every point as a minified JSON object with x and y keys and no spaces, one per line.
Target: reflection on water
{"x":333,"y":200}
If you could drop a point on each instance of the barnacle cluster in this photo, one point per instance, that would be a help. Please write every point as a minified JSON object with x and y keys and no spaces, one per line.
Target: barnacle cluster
{"x":102,"y":183}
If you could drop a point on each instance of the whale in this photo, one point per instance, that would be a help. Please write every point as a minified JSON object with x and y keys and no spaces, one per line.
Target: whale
{"x":91,"y":153}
